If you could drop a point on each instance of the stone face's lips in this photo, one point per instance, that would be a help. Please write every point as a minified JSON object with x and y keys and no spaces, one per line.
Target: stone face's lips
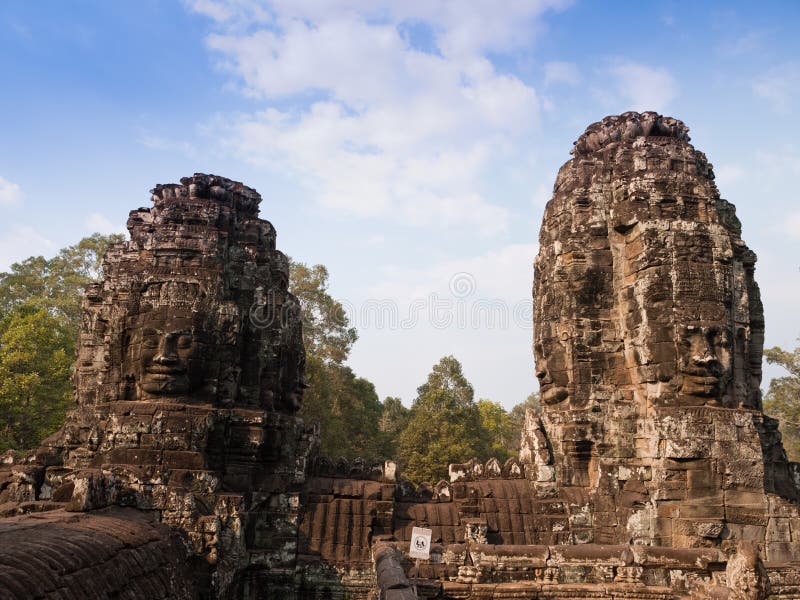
{"x":703,"y":378}
{"x":159,"y":370}
{"x":551,"y":394}
{"x":699,"y":385}
{"x":713,"y":370}
{"x":165,"y":383}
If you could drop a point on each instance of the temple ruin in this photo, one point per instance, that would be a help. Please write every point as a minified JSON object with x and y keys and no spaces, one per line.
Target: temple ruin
{"x":651,"y":472}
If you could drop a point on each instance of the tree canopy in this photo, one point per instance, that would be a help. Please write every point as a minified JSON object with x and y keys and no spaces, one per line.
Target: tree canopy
{"x":499,"y":430}
{"x":57,"y":283}
{"x":783,"y":398}
{"x":444,"y":425}
{"x":36,"y":355}
{"x":394,"y":420}
{"x":326,"y":331}
{"x":40,"y":311}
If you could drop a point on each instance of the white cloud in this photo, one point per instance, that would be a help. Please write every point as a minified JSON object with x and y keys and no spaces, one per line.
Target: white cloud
{"x":780,"y":86}
{"x":10,"y":193}
{"x":96,"y":222}
{"x":372,"y":125}
{"x":561,"y":72}
{"x":219,"y":11}
{"x":485,"y":26}
{"x":20,"y":242}
{"x":634,"y":86}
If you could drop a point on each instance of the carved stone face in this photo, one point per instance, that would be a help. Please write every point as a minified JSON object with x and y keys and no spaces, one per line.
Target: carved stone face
{"x":165,"y":353}
{"x":704,"y":360}
{"x":551,"y":371}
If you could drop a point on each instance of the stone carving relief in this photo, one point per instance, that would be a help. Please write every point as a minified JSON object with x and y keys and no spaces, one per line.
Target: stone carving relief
{"x":195,"y":307}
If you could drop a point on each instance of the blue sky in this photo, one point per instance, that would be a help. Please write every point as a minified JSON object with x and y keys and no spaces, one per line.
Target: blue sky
{"x":410,"y":146}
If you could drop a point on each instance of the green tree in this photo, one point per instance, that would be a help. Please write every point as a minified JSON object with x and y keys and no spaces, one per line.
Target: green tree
{"x":444,"y":425}
{"x":783,"y":398}
{"x":36,"y":354}
{"x":326,"y":331}
{"x":40,"y":312}
{"x":57,"y":283}
{"x":346,"y":406}
{"x":499,"y":430}
{"x":394,"y":419}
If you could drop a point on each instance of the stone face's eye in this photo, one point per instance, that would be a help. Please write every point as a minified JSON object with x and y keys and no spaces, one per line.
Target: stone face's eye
{"x":150,"y":341}
{"x":721,"y":338}
{"x":185,"y":341}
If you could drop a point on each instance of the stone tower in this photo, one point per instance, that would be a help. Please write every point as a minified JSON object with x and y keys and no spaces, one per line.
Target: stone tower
{"x":648,"y":342}
{"x":190,"y":369}
{"x":194,"y":308}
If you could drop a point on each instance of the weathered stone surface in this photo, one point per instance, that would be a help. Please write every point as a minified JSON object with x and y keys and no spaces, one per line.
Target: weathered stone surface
{"x":651,"y":473}
{"x":648,"y":342}
{"x":190,"y":369}
{"x":120,"y":553}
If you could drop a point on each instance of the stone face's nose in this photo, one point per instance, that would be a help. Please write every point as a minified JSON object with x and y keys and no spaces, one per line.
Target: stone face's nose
{"x":703,"y":352}
{"x":542,"y":375}
{"x":167,"y":350}
{"x":706,"y":359}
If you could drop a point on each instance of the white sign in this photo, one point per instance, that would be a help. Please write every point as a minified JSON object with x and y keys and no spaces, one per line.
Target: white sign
{"x":420,"y":543}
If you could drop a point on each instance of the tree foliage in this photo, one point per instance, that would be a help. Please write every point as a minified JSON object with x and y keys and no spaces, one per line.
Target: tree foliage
{"x":40,"y":311}
{"x":326,"y":331}
{"x":56,"y":284}
{"x":36,"y":354}
{"x":444,"y":425}
{"x":499,"y":430}
{"x":394,"y":420}
{"x":347,"y":408}
{"x":517,"y":417}
{"x":783,"y":398}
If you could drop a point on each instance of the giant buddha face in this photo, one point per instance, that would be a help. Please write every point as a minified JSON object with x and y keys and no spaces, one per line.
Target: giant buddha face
{"x":643,"y":287}
{"x":674,"y":263}
{"x":551,"y":370}
{"x":704,"y":360}
{"x":165,"y":353}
